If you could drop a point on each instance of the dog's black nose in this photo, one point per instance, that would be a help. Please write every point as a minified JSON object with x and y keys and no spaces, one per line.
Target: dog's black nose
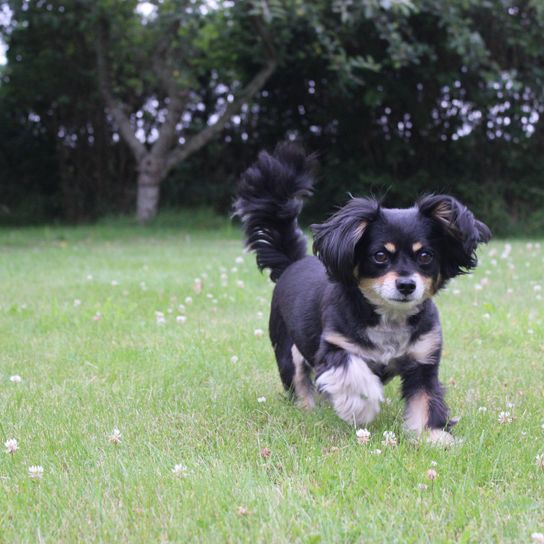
{"x":406,"y":286}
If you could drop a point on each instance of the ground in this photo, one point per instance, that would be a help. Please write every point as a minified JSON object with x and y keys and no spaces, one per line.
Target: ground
{"x":79,"y":324}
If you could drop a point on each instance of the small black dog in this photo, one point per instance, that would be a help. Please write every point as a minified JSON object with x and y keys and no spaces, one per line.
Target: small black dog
{"x":362,"y":312}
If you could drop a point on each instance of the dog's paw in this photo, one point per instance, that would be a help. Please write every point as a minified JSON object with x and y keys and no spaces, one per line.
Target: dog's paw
{"x":307,"y":402}
{"x":440,"y":438}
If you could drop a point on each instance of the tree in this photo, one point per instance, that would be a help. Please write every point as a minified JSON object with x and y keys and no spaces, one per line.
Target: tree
{"x":396,"y":95}
{"x":180,"y":40}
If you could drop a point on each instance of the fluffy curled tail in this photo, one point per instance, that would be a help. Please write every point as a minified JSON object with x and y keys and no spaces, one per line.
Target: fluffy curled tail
{"x":269,"y":200}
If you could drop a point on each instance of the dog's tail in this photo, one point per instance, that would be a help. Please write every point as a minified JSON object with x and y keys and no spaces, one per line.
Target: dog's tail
{"x":269,"y":200}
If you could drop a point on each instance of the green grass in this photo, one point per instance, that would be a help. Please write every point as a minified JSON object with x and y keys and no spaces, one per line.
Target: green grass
{"x":177,"y":397}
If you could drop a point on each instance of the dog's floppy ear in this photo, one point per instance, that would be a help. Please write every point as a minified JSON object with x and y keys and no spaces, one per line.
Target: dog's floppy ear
{"x":336,"y":239}
{"x":461,"y":232}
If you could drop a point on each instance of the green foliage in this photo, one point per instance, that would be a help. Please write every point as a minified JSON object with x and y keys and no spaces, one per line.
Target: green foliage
{"x":384,"y":90}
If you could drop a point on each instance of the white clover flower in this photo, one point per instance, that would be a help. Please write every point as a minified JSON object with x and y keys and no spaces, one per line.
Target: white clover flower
{"x":35,"y":472}
{"x":432,"y":474}
{"x":97,"y":316}
{"x":506,"y":251}
{"x":478,"y":287}
{"x":180,"y":471}
{"x":258,"y":333}
{"x":240,"y":284}
{"x":181,"y":319}
{"x":114,"y":283}
{"x":239,"y":260}
{"x":363,"y":436}
{"x":188,"y":300}
{"x":505,"y":417}
{"x":89,"y":277}
{"x":538,"y":537}
{"x":422,"y":487}
{"x":234,"y":359}
{"x":260,"y":400}
{"x":16,"y":379}
{"x":376,"y":452}
{"x":389,"y":439}
{"x":486,"y":316}
{"x":197,"y":286}
{"x":77,"y":302}
{"x":11,"y":445}
{"x":234,"y":270}
{"x":539,"y":460}
{"x":456,"y":291}
{"x":434,"y":463}
{"x":115,"y":436}
{"x":260,"y":315}
{"x":243,"y":511}
{"x":181,"y":309}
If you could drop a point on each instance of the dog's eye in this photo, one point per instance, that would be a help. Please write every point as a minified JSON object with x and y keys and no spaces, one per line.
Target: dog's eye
{"x":424,"y":257}
{"x":380,"y":257}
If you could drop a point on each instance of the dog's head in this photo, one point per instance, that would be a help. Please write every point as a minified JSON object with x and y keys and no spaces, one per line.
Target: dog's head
{"x":399,"y":257}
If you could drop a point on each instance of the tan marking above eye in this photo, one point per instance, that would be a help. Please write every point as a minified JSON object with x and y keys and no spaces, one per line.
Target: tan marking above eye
{"x":417,"y":246}
{"x":390,"y":247}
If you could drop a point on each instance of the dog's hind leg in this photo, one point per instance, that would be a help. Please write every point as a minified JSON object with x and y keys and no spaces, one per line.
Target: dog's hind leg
{"x":304,"y":388}
{"x":282,"y":344}
{"x":294,"y":372}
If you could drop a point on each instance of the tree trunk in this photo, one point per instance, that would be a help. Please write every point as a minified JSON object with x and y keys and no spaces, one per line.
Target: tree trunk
{"x":151,"y":172}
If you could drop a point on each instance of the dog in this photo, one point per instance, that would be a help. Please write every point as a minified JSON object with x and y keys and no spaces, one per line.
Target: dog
{"x":346,"y":321}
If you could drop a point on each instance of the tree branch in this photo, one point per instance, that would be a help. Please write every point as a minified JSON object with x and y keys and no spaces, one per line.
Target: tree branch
{"x":204,"y":136}
{"x":167,"y":131}
{"x":255,"y":85}
{"x":115,"y":107}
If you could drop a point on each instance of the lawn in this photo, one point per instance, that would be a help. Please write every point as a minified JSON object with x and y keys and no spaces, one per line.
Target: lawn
{"x":79,"y":325}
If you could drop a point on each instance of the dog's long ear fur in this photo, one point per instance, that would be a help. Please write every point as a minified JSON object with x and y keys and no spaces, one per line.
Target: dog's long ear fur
{"x":462,"y":232}
{"x":336,"y":239}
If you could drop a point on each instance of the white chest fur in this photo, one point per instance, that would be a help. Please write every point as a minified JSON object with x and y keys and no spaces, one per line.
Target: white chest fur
{"x":390,"y":339}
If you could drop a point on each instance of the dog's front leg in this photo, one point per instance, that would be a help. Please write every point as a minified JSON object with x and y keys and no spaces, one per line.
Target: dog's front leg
{"x":354,"y":391}
{"x":426,"y":409}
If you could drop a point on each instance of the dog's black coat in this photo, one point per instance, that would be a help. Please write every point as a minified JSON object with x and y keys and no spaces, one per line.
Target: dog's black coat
{"x":343,"y":303}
